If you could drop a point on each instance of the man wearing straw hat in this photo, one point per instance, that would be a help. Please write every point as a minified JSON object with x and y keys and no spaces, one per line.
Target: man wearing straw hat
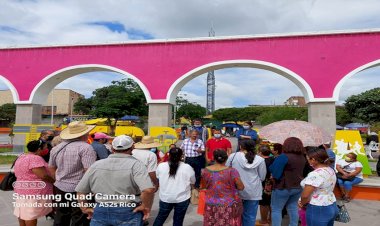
{"x":143,"y":153}
{"x":68,"y":162}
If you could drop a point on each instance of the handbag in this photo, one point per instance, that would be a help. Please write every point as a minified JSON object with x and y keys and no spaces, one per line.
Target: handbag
{"x":340,"y":175}
{"x":268,"y":186}
{"x":8,"y":180}
{"x":194,"y":197}
{"x":343,"y":215}
{"x":202,"y":202}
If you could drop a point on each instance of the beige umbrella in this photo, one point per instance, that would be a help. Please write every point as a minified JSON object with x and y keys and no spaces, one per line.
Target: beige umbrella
{"x":309,"y":134}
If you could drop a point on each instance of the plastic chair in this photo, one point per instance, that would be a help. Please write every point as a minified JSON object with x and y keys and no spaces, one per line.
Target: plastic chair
{"x":373,"y":146}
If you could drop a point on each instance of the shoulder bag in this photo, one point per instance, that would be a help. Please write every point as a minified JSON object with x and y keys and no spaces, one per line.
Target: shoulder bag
{"x":340,"y":175}
{"x":8,"y":180}
{"x":343,"y":215}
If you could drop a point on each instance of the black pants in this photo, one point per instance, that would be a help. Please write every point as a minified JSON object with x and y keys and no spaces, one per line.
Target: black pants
{"x":165,"y":209}
{"x":196,"y":164}
{"x":378,"y":167}
{"x":66,"y":214}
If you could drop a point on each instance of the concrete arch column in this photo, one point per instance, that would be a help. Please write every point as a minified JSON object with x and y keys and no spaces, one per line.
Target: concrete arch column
{"x":160,"y":114}
{"x":323,"y":114}
{"x":25,"y":114}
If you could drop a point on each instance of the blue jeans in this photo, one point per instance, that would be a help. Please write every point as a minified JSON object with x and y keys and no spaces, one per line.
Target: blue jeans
{"x":114,"y":216}
{"x":348,"y":184}
{"x":249,"y":212}
{"x":285,"y":198}
{"x":165,"y":209}
{"x":196,"y":164}
{"x":321,"y":215}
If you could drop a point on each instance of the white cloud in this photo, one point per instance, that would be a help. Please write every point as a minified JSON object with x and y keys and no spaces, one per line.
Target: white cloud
{"x":242,"y":87}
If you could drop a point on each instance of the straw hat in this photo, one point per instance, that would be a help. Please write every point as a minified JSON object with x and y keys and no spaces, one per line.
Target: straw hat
{"x":75,"y":129}
{"x":147,"y":142}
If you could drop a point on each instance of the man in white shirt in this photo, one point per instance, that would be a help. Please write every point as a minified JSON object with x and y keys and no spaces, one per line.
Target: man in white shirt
{"x":143,"y":153}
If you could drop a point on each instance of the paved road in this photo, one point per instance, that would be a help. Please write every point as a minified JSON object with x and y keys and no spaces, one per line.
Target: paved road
{"x":362,"y":212}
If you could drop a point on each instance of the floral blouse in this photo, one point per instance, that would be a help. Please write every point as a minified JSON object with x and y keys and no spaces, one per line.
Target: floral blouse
{"x":323,"y":179}
{"x":220,"y":185}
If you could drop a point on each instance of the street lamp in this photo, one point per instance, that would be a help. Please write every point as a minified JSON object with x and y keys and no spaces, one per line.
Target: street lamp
{"x":52,"y":107}
{"x":175,"y":115}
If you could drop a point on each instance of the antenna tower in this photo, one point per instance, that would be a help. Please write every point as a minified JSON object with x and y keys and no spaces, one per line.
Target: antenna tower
{"x":211,"y":84}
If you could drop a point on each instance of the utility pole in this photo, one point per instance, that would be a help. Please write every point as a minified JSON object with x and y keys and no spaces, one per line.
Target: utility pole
{"x":210,"y":105}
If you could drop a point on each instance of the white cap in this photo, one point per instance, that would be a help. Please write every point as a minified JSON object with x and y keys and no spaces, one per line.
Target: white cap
{"x":122,"y":142}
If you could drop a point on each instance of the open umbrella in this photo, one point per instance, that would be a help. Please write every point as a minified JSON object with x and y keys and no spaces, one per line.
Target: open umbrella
{"x":231,"y":125}
{"x":309,"y":134}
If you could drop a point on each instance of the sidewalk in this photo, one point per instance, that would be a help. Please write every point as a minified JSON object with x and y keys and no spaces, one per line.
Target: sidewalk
{"x":362,"y":213}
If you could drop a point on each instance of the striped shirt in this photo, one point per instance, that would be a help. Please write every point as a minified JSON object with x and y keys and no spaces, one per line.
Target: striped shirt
{"x":71,"y":162}
{"x":189,"y":147}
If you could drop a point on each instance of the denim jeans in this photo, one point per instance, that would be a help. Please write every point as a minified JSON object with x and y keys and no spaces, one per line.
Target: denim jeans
{"x":249,"y":212}
{"x":114,"y":216}
{"x":321,"y":215}
{"x":196,"y":164}
{"x":348,"y":184}
{"x":165,"y":209}
{"x":285,"y":198}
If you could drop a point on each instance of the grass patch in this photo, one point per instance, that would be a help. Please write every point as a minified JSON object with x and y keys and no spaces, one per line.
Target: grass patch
{"x":7,"y":159}
{"x":3,"y":149}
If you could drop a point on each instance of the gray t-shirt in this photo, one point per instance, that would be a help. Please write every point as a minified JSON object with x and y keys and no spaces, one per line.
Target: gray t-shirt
{"x":116,"y":179}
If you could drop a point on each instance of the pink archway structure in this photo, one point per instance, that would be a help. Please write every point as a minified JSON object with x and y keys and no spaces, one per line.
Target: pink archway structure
{"x":318,"y":63}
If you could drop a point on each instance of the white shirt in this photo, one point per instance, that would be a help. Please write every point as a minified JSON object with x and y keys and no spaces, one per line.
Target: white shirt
{"x":323,"y":179}
{"x":350,"y":167}
{"x":175,"y":189}
{"x":147,"y":157}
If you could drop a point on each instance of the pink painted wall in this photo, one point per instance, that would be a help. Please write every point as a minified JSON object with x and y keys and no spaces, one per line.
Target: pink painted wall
{"x":322,"y":60}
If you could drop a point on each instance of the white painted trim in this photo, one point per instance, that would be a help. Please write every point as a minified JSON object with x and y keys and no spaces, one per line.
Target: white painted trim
{"x":340,"y":84}
{"x":49,"y":82}
{"x":11,"y":88}
{"x":322,"y":100}
{"x":295,"y":78}
{"x":198,"y":39}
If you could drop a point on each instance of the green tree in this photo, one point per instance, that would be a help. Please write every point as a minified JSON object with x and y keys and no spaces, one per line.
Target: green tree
{"x":83,"y":106}
{"x":8,"y":113}
{"x":342,"y":116}
{"x":120,"y":98}
{"x":274,"y":114}
{"x":263,"y":115}
{"x":191,"y":110}
{"x":365,"y":106}
{"x":227,"y":114}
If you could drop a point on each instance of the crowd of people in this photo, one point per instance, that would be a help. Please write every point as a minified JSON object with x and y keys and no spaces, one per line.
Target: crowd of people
{"x":115,"y":183}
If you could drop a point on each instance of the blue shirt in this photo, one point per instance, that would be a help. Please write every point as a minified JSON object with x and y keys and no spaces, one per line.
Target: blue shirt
{"x":247,"y":132}
{"x":331,"y":155}
{"x":101,"y":150}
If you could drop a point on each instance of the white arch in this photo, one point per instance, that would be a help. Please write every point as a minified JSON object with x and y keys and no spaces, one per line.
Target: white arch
{"x":11,"y":88}
{"x":46,"y":85}
{"x":295,"y":78}
{"x":340,"y":84}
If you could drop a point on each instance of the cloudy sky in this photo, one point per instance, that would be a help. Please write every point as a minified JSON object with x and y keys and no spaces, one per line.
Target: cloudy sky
{"x":43,"y":22}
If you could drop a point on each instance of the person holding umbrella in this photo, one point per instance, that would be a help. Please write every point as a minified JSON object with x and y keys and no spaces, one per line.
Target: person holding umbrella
{"x":287,"y":171}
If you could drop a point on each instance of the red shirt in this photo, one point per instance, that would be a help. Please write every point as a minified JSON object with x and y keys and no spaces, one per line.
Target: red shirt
{"x":214,"y":144}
